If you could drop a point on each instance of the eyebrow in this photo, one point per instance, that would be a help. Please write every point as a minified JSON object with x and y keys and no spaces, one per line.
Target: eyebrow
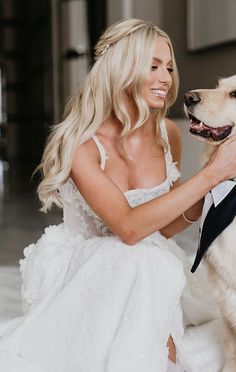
{"x":158,"y":60}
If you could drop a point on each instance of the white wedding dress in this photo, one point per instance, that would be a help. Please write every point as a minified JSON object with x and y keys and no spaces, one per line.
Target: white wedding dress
{"x":95,"y":304}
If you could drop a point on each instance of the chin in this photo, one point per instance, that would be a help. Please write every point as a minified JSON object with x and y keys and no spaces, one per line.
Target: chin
{"x":156,"y":106}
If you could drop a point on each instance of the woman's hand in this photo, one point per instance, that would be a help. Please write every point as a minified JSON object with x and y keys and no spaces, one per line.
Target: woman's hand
{"x":222,"y":165}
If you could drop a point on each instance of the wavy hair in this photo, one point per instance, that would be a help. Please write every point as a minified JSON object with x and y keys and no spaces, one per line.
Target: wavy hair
{"x":123,"y":59}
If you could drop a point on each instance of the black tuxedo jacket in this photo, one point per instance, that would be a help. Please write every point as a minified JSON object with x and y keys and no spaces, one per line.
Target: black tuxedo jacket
{"x":217,"y":219}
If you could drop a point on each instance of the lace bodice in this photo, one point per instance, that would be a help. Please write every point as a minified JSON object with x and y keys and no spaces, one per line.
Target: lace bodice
{"x":79,"y":218}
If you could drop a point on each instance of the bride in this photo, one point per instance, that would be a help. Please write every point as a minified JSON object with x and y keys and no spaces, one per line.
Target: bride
{"x":106,"y":290}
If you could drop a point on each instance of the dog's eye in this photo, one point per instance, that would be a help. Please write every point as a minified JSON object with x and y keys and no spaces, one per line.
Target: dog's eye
{"x":233,"y":94}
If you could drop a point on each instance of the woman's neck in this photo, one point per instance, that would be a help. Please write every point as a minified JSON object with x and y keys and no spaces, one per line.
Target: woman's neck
{"x":112,"y":127}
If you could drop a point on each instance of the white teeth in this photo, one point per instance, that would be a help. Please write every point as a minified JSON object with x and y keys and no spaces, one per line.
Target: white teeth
{"x":200,"y":123}
{"x":159,"y":92}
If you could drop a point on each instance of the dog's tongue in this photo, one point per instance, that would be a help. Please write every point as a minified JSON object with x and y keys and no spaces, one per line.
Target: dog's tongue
{"x":200,"y":127}
{"x":196,"y":126}
{"x":216,"y":133}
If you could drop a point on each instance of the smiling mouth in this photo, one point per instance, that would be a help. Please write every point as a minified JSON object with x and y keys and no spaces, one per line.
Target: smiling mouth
{"x":197,"y":127}
{"x":159,"y":93}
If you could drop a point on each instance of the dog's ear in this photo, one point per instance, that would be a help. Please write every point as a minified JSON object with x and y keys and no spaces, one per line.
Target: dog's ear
{"x":219,"y":79}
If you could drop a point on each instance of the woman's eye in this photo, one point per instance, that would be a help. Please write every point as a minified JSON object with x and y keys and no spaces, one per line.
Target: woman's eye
{"x":154,"y":67}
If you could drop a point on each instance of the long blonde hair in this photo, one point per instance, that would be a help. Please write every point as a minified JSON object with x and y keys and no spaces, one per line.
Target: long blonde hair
{"x":123,"y":59}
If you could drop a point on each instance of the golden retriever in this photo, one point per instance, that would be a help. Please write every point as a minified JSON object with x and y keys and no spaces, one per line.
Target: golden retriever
{"x":212,"y":114}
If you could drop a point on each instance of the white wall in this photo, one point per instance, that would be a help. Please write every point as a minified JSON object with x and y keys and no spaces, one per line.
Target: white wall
{"x":191,"y":150}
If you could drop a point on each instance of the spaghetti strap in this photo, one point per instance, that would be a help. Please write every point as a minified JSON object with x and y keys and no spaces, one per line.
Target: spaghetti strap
{"x":101,"y":151}
{"x":172,"y":171}
{"x":164,"y":132}
{"x":164,"y":135}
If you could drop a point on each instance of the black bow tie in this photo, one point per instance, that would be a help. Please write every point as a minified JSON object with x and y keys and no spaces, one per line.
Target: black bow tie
{"x":217,"y":219}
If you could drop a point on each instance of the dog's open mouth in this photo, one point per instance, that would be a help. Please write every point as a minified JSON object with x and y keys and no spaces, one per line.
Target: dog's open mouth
{"x":197,"y":127}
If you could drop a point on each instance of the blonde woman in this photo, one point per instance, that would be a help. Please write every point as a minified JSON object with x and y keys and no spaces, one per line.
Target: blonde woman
{"x":102,"y":290}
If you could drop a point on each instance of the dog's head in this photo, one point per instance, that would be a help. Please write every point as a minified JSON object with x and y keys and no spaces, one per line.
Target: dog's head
{"x":212,"y":112}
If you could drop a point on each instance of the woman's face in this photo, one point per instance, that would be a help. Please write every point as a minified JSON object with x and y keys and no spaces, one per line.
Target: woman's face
{"x":159,"y":81}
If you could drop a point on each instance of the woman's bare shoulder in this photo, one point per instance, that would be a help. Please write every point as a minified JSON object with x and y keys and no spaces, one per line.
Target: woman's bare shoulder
{"x":87,"y":153}
{"x":174,"y":136}
{"x":173,"y":129}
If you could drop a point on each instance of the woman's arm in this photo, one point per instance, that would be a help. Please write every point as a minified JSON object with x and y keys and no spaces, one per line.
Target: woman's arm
{"x":195,"y":211}
{"x":180,"y":223}
{"x":133,"y":224}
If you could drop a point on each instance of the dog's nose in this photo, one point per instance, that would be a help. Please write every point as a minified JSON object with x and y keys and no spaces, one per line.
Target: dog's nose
{"x":191,"y":98}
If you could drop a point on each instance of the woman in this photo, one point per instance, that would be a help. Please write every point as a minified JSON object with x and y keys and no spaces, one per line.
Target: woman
{"x":103,"y":289}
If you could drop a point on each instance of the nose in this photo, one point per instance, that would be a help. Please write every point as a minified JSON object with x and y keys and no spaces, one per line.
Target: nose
{"x":165,"y":76}
{"x":191,"y":98}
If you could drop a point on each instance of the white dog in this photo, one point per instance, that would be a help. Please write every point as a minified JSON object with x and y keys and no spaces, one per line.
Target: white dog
{"x":212,"y":114}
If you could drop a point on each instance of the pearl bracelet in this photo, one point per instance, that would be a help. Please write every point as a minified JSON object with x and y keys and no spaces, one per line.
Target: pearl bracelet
{"x":187,"y":219}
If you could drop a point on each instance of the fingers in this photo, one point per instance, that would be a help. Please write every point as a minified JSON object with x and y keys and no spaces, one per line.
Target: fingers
{"x":224,"y":159}
{"x":229,"y":140}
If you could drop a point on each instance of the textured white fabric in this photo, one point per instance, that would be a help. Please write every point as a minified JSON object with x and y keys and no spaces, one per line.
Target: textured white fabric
{"x":95,"y":304}
{"x":173,"y":367}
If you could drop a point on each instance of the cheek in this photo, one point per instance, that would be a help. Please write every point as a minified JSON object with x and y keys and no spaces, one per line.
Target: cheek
{"x":148,"y":81}
{"x":145,"y":88}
